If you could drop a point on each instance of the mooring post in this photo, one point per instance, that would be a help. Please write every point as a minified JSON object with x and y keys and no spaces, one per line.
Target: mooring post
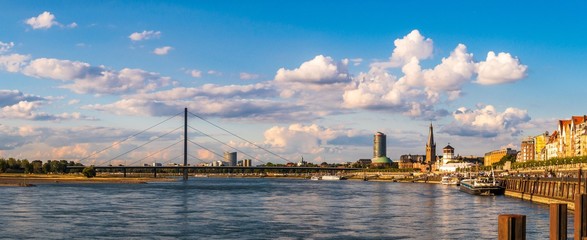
{"x":558,"y":221}
{"x":580,"y":216}
{"x":511,"y":227}
{"x":185,"y":144}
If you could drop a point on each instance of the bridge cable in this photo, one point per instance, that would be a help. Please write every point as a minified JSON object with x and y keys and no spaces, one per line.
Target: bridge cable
{"x":134,"y":135}
{"x":244,"y":153}
{"x":211,"y":123}
{"x":160,"y":150}
{"x":222,"y":157}
{"x":152,"y":140}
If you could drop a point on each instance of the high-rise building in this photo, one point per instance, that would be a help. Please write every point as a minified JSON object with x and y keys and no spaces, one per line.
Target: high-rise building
{"x":230,"y":158}
{"x":431,"y":147}
{"x":380,"y":158}
{"x":247,"y":163}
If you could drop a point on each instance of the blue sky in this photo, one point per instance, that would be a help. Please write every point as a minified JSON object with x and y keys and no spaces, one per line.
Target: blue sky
{"x":301,"y":78}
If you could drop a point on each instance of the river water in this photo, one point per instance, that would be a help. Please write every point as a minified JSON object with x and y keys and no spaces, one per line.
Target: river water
{"x":235,"y":208}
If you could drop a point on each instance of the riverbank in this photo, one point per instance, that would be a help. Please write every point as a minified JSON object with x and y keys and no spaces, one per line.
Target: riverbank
{"x":28,"y":180}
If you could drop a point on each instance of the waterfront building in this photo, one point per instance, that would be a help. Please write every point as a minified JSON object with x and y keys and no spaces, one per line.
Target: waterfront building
{"x":230,"y":158}
{"x":527,"y":150}
{"x":380,"y":158}
{"x":570,"y":136}
{"x":496,"y":155}
{"x":448,"y":154}
{"x":430,"y":148}
{"x":551,"y":147}
{"x":411,"y":161}
{"x":539,"y":146}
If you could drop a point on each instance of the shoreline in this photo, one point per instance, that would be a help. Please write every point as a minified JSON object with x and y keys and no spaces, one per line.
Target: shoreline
{"x":25,"y":180}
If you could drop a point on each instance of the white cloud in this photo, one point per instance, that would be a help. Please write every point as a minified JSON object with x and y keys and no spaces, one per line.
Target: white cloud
{"x":320,"y":70}
{"x":162,"y":50}
{"x":94,"y":80}
{"x":145,"y":35}
{"x":27,"y":110}
{"x":195,"y":73}
{"x":502,"y":68}
{"x":73,"y":102}
{"x":248,"y":76}
{"x":486,"y":121}
{"x":45,"y":20}
{"x":5,"y":47}
{"x":13,"y":62}
{"x":452,"y":73}
{"x":11,"y":97}
{"x":299,"y":138}
{"x":318,"y":75}
{"x":413,"y":45}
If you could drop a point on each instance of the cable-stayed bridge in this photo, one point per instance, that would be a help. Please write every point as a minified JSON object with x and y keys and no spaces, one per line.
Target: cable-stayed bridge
{"x":188,"y":159}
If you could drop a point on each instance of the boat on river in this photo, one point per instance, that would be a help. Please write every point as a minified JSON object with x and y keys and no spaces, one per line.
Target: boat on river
{"x":316,"y":178}
{"x":449,"y":180}
{"x":486,"y":186}
{"x":331,"y":178}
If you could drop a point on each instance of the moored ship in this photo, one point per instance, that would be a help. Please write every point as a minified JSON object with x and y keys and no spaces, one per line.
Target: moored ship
{"x":486,"y":186}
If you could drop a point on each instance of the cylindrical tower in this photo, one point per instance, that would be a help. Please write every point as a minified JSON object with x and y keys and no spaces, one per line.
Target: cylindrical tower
{"x":230,"y":157}
{"x":379,"y":145}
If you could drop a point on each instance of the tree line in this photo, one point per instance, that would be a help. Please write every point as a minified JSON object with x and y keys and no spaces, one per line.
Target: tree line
{"x":12,"y":165}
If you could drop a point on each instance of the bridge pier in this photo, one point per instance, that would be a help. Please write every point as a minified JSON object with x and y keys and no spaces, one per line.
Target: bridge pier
{"x":124,"y":172}
{"x":155,"y":172}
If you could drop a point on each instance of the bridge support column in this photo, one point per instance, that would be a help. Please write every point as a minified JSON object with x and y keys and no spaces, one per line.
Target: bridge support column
{"x":185,"y":145}
{"x":155,"y":172}
{"x":124,"y":172}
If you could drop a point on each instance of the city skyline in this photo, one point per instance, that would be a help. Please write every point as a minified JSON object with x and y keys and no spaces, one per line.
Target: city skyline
{"x":316,"y":81}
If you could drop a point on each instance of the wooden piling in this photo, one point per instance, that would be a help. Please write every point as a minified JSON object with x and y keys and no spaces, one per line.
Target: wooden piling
{"x":558,"y":221}
{"x":511,"y":227}
{"x":580,"y":216}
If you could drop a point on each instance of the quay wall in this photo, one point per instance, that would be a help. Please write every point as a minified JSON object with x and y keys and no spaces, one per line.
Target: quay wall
{"x":545,"y":190}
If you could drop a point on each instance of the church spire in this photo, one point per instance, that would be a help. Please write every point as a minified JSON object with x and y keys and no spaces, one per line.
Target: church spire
{"x":431,"y":137}
{"x":430,"y":148}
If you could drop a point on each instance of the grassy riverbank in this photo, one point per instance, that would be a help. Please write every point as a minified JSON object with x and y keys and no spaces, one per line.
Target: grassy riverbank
{"x":16,"y":180}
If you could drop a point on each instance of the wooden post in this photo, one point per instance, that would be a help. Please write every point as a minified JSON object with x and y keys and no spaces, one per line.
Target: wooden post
{"x":558,"y":221}
{"x":580,"y":216}
{"x":511,"y":227}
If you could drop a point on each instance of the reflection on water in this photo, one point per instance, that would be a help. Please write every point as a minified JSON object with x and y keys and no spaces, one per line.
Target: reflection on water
{"x":259,"y":209}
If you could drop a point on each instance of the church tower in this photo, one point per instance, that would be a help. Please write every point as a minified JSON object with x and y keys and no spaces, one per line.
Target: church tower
{"x":430,"y":148}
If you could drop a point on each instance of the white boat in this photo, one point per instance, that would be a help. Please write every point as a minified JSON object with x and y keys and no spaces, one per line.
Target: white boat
{"x":315,"y":178}
{"x":201,"y":175}
{"x":448,"y":180}
{"x":331,"y":178}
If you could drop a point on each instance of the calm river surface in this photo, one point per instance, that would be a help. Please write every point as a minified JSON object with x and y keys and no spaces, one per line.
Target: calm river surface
{"x":234,"y":208}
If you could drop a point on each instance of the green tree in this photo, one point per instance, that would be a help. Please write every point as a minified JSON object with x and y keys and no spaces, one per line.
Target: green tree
{"x":26,"y":165}
{"x":3,"y":165}
{"x":89,"y":172}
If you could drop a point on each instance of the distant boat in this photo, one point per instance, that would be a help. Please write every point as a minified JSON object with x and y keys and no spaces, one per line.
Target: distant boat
{"x":331,"y":178}
{"x":315,"y":178}
{"x":448,"y":180}
{"x":486,"y":186}
{"x":201,"y":175}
